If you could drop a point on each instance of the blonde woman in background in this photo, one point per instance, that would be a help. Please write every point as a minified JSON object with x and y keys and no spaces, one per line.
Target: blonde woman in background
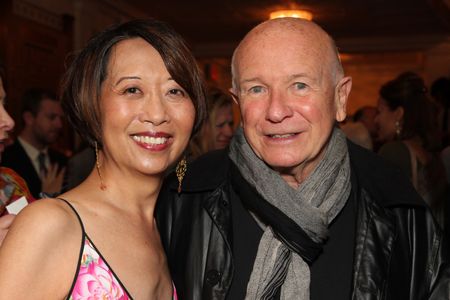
{"x":218,"y":128}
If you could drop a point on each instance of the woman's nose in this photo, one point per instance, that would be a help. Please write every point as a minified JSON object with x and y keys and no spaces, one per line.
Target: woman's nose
{"x":155,"y":111}
{"x":6,"y":122}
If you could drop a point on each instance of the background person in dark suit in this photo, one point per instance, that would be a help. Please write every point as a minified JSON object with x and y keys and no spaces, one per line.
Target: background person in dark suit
{"x":30,"y":155}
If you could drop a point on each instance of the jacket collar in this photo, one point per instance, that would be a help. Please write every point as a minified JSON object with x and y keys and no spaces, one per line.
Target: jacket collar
{"x":383,"y":181}
{"x":205,"y":173}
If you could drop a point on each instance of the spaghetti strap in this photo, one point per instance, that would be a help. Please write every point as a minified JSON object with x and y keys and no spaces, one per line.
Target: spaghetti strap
{"x":76,"y":213}
{"x":80,"y":256}
{"x":91,"y":261}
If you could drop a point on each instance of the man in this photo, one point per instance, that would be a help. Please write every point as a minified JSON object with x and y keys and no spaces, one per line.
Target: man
{"x":293,"y":210}
{"x":30,"y":155}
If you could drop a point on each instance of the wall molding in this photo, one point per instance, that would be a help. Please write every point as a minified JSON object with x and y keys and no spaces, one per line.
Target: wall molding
{"x":35,"y":13}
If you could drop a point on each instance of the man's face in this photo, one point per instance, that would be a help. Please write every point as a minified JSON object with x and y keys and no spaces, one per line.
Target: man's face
{"x":286,"y":94}
{"x":47,"y":123}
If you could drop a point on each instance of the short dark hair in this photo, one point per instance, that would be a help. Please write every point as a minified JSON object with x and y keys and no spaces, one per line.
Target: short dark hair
{"x":408,"y":91}
{"x":32,"y":98}
{"x":440,"y":90}
{"x":81,"y":86}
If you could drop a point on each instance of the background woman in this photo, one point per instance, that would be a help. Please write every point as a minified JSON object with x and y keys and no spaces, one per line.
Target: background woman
{"x":218,"y":128}
{"x":135,"y":94}
{"x":407,"y":125}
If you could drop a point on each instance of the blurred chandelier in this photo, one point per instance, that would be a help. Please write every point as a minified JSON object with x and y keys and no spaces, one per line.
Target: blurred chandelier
{"x":291,"y":13}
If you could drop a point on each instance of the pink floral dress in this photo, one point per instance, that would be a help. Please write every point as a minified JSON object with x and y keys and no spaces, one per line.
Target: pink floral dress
{"x":94,"y":278}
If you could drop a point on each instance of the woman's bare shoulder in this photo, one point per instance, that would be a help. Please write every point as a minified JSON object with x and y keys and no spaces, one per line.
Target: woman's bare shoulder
{"x":47,"y":214}
{"x":41,"y":247}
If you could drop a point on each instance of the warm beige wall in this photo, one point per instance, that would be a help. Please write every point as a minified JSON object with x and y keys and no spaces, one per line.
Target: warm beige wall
{"x":370,"y":71}
{"x":373,"y":61}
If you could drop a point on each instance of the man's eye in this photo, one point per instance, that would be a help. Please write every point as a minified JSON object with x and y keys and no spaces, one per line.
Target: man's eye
{"x":256,"y":89}
{"x":299,"y":85}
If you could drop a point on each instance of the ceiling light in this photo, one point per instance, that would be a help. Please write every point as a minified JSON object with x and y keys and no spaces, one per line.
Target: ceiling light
{"x":291,"y":13}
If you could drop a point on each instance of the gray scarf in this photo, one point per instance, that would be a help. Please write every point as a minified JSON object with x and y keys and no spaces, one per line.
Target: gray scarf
{"x":312,"y":207}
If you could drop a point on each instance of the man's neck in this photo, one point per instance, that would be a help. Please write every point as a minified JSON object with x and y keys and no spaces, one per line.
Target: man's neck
{"x":29,"y":138}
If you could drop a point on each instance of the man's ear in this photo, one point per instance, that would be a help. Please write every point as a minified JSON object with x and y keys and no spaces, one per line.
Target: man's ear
{"x":341,"y":96}
{"x":28,"y":118}
{"x":234,"y":93}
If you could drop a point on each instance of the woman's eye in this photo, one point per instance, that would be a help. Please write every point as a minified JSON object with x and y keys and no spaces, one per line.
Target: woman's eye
{"x":229,"y":123}
{"x":131,"y":90}
{"x":177,"y":92}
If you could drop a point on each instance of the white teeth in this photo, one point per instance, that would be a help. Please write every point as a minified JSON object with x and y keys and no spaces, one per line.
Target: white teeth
{"x":280,"y":136}
{"x":150,"y":140}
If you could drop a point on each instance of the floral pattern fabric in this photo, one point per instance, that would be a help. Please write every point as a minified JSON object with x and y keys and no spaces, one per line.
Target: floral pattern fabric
{"x":95,"y":279}
{"x":12,"y":187}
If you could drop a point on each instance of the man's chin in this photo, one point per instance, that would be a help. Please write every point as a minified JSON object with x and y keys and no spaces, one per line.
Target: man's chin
{"x":52,"y":139}
{"x":283,"y":164}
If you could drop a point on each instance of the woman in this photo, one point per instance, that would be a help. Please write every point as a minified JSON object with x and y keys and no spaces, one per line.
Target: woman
{"x":218,"y":128}
{"x":12,"y":186}
{"x":406,"y":124}
{"x":135,"y":94}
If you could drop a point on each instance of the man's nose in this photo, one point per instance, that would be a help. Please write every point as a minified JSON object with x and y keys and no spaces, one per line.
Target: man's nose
{"x":278,"y":107}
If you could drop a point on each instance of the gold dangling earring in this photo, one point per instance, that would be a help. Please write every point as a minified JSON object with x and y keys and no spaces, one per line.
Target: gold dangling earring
{"x":181,"y":171}
{"x":97,"y":165}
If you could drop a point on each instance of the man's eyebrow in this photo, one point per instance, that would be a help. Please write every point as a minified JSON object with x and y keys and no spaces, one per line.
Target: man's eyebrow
{"x":250,"y":80}
{"x":290,"y":77}
{"x":302,"y":75}
{"x":298,"y":75}
{"x":126,"y":78}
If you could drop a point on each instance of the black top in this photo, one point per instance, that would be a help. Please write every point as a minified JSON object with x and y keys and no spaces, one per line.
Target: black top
{"x":331,"y":273}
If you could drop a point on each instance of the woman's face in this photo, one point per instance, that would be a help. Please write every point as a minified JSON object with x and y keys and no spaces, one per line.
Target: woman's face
{"x":6,"y":123}
{"x":386,"y":120}
{"x":223,"y":126}
{"x":147,"y":117}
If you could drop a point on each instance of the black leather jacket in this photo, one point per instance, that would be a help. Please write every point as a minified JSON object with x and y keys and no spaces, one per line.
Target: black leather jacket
{"x":399,"y":251}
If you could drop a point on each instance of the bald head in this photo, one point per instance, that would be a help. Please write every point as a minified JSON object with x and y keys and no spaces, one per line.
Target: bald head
{"x":305,"y":36}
